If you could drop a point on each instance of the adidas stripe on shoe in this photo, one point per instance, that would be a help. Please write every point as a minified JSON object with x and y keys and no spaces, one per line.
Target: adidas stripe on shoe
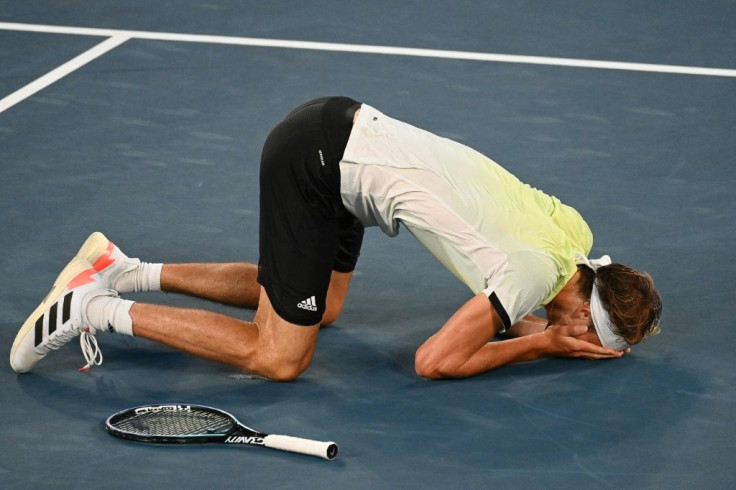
{"x":60,"y":317}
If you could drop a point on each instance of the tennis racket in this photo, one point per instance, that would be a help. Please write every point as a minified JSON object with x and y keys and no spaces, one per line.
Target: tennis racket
{"x":181,"y":423}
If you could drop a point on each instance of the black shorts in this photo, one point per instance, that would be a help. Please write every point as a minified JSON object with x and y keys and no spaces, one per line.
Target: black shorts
{"x":305,"y":231}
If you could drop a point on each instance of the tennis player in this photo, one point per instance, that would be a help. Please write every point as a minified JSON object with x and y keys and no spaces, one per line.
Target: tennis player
{"x":330,"y":168}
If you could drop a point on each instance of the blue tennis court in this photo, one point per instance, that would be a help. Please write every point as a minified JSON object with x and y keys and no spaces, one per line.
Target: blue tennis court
{"x":145,"y":120}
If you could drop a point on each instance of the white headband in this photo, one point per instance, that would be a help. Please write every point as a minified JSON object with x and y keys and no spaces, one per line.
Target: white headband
{"x":601,"y":319}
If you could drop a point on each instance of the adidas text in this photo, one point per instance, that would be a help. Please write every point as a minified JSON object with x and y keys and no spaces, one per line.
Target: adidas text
{"x":309,"y":304}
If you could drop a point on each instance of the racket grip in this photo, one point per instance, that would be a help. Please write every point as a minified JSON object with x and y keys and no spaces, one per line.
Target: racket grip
{"x":326,"y":450}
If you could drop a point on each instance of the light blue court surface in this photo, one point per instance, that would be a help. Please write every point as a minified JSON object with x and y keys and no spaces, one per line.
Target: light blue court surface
{"x":155,"y":139}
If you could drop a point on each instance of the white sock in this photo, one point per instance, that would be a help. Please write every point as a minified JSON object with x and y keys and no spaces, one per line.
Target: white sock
{"x":144,"y":277}
{"x":148,"y":277}
{"x":110,"y":314}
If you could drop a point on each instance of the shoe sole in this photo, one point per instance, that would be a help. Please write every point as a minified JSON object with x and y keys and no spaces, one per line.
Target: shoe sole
{"x":94,"y":254}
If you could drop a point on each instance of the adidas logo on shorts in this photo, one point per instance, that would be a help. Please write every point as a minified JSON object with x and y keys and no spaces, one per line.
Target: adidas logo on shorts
{"x":308,"y":304}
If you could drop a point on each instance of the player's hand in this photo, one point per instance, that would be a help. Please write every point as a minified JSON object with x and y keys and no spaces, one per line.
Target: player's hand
{"x":568,"y":341}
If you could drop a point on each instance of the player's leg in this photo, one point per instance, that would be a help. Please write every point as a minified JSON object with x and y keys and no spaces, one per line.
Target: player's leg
{"x":350,"y":240}
{"x":269,"y":346}
{"x":336,"y":293}
{"x":78,"y":304}
{"x":236,"y":284}
{"x":228,"y":283}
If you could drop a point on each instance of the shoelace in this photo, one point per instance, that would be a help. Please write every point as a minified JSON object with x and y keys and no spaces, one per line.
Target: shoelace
{"x":90,"y":349}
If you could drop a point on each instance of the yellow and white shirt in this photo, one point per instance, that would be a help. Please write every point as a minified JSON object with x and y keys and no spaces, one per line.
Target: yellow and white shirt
{"x":496,"y":234}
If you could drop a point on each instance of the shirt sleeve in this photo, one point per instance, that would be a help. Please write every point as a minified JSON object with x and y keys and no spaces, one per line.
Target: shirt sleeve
{"x":522,"y":286}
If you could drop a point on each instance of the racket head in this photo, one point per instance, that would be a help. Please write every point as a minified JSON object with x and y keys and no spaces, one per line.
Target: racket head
{"x":172,"y":423}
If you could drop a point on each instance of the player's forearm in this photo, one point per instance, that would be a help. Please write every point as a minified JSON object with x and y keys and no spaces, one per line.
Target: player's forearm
{"x":461,"y":348}
{"x":497,"y":354}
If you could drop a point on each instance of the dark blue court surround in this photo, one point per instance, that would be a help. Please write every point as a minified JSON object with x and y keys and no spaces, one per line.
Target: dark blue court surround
{"x":157,"y":144}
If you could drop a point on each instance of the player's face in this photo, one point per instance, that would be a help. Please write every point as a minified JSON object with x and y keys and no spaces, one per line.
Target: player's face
{"x":567,"y":309}
{"x":569,"y":306}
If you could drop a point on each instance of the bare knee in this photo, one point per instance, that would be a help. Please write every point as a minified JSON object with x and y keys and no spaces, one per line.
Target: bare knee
{"x":277,"y":362}
{"x":283,"y":371}
{"x":271,"y":364}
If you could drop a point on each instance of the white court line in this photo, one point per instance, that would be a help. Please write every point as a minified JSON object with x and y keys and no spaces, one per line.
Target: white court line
{"x":61,"y":71}
{"x":370,"y":49}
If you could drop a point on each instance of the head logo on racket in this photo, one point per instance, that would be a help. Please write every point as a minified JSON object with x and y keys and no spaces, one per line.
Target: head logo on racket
{"x":162,"y":408}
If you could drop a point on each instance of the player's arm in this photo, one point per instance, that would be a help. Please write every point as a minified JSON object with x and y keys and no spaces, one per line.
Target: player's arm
{"x":461,"y":348}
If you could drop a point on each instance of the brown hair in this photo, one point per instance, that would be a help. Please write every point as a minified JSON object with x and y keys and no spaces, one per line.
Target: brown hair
{"x":630,"y":298}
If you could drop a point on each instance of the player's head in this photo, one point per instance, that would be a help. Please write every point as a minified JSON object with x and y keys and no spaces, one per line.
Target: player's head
{"x":625,"y":306}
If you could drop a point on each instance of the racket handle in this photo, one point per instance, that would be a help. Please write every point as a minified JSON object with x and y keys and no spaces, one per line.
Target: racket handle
{"x":326,"y":450}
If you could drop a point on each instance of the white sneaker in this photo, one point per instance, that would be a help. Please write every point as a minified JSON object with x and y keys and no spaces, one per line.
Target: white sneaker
{"x":109,"y":262}
{"x":60,"y":317}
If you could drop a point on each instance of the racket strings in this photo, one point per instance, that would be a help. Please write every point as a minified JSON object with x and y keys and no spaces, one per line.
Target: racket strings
{"x":175,"y":423}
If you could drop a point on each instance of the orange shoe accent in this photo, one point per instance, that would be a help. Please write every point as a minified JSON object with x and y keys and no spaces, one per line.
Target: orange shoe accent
{"x":81,"y":279}
{"x":104,"y":261}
